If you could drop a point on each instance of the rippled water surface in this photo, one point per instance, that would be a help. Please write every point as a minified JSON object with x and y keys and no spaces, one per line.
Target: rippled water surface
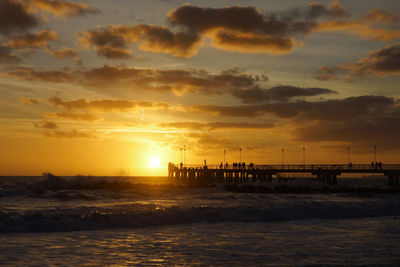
{"x":98,"y":221}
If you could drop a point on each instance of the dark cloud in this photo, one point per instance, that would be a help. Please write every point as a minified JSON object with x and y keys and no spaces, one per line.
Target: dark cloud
{"x":29,"y":41}
{"x":106,"y":104}
{"x":7,"y":56}
{"x":363,"y":120}
{"x":366,"y":129}
{"x":15,"y":17}
{"x":304,"y":110}
{"x":215,"y":125}
{"x":47,"y":125}
{"x":176,"y":80}
{"x":64,"y":8}
{"x":281,"y":93}
{"x":237,"y":28}
{"x":326,"y":73}
{"x":379,"y":63}
{"x":112,"y":41}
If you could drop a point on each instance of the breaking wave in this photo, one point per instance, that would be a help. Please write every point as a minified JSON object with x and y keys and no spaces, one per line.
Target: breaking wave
{"x":133,"y":216}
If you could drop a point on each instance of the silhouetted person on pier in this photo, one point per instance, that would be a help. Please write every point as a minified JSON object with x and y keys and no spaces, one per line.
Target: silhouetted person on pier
{"x":244,"y":165}
{"x":350,"y":165}
{"x":226,"y":165}
{"x":181,"y":165}
{"x":373,"y":164}
{"x":239,"y":165}
{"x":220,"y":165}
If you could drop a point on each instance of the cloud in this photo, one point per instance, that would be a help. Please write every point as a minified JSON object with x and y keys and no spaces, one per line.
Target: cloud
{"x":382,"y":16}
{"x":207,"y":142}
{"x":378,"y":126}
{"x":15,"y":17}
{"x":380,"y":63}
{"x":252,"y":20}
{"x":303,"y":110}
{"x":30,"y":74}
{"x":69,"y":134}
{"x":362,"y":120}
{"x":281,"y":93}
{"x":64,"y":52}
{"x":175,"y":80}
{"x":28,"y":101}
{"x":51,"y":129}
{"x":30,"y":41}
{"x":6,"y":56}
{"x":47,"y":125}
{"x":243,"y":29}
{"x":236,"y":28}
{"x":361,"y":28}
{"x":112,"y":41}
{"x":253,"y":43}
{"x":64,"y":8}
{"x":326,"y":73}
{"x":74,"y":116}
{"x":106,"y":104}
{"x":215,"y":125}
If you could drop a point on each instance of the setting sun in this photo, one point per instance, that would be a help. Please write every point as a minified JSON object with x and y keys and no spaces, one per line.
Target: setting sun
{"x":155,"y":162}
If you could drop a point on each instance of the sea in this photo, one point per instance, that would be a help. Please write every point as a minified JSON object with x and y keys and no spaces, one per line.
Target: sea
{"x":147,"y":221}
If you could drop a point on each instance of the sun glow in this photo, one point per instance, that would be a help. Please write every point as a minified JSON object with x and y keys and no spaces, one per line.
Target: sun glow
{"x":155,"y":162}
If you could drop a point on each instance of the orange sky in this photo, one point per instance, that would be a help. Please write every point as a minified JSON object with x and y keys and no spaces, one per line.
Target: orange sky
{"x":101,"y":87}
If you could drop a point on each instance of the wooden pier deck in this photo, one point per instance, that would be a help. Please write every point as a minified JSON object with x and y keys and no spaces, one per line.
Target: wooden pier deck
{"x":241,"y":173}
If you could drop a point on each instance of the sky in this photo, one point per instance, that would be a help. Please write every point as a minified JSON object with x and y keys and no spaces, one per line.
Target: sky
{"x":112,"y":87}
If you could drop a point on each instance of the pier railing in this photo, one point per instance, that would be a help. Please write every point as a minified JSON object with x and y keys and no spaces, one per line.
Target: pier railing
{"x":298,"y":167}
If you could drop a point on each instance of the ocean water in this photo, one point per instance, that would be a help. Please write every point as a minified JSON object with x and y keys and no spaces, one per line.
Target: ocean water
{"x":100,"y":221}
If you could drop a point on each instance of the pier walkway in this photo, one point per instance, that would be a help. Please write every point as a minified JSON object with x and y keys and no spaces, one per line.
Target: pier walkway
{"x":242,"y":173}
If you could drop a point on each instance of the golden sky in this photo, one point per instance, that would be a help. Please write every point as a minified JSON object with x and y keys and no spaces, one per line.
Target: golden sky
{"x":110,"y":87}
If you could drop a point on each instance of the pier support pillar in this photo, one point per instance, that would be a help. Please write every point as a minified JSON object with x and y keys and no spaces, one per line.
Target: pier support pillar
{"x":391,"y":181}
{"x":269,"y":177}
{"x":333,"y":179}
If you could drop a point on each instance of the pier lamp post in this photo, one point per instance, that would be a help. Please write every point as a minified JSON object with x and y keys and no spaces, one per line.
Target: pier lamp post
{"x":184,"y":154}
{"x":375,"y":153}
{"x":224,"y":156}
{"x":348,"y":155}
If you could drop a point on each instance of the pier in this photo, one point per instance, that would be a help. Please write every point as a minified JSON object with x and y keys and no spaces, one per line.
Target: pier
{"x":244,"y":174}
